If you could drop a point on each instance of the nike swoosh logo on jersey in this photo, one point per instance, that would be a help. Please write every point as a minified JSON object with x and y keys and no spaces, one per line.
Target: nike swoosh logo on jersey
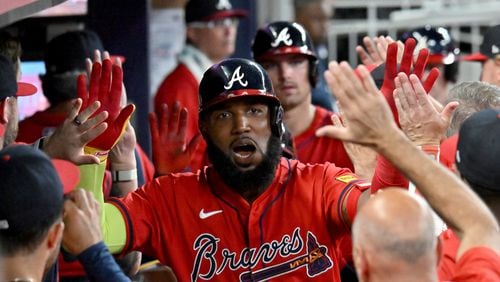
{"x":204,"y":214}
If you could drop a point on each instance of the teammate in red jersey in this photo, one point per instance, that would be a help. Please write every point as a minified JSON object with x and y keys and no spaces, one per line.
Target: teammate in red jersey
{"x":287,"y":53}
{"x":253,"y":215}
{"x":392,"y":233}
{"x":211,"y":29}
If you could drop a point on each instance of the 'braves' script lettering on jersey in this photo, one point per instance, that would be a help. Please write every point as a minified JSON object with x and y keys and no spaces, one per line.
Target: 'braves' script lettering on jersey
{"x":223,"y":5}
{"x":284,"y":37}
{"x":316,"y":258}
{"x":236,"y":77}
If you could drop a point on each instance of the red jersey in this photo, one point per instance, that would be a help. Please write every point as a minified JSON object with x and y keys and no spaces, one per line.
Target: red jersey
{"x":38,"y":125}
{"x":478,"y":264}
{"x":181,"y":85}
{"x":315,"y":150}
{"x":447,"y":263}
{"x":204,"y":230}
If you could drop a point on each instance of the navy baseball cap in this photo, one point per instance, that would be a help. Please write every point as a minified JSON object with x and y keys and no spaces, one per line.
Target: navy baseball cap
{"x":32,"y":187}
{"x":68,"y":51}
{"x":9,"y":86}
{"x":490,"y":47}
{"x":208,"y":10}
{"x":478,"y":151}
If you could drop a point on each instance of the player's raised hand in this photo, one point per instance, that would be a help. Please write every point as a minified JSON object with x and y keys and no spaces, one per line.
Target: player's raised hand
{"x":374,"y":50}
{"x":80,"y":127}
{"x":363,"y":158}
{"x":368,"y":113}
{"x":171,"y":150}
{"x":106,"y":87}
{"x":391,"y":70}
{"x":418,"y":118}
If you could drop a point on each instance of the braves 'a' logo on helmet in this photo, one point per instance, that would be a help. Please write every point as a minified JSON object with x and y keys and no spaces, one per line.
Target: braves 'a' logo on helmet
{"x":283,"y":36}
{"x":223,"y":5}
{"x":236,"y":77}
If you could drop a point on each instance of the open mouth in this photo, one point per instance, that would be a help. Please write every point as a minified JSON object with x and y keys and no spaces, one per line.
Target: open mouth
{"x":244,"y":151}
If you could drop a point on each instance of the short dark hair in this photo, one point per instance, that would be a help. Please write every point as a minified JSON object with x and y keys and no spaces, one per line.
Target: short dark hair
{"x":27,"y":240}
{"x":61,"y":87}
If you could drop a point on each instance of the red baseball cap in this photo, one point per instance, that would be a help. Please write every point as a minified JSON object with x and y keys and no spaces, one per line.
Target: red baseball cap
{"x":489,"y":49}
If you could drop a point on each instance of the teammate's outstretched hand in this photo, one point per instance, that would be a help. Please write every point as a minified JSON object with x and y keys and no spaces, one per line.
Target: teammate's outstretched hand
{"x":105,"y":86}
{"x":171,"y":151}
{"x":391,"y":70}
{"x":418,"y":118}
{"x":374,"y":50}
{"x":69,"y":139}
{"x":369,"y":116}
{"x":82,"y":222}
{"x":363,"y":158}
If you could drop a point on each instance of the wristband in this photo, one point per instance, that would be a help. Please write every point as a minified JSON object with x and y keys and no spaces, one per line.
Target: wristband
{"x":431,"y":150}
{"x":123,"y":175}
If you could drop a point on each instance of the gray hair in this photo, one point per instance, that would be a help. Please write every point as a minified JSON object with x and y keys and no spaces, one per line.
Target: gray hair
{"x":472,"y":97}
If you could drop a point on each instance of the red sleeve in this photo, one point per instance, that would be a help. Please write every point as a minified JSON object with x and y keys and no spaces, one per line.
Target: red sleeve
{"x":387,"y":175}
{"x":342,"y":197}
{"x":449,"y":246}
{"x":182,"y":86}
{"x":478,"y":264}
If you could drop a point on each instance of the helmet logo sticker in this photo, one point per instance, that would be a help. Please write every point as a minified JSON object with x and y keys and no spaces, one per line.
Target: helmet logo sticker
{"x":223,"y":5}
{"x":236,"y":77}
{"x":284,"y":37}
{"x":495,"y":49}
{"x":422,"y":43}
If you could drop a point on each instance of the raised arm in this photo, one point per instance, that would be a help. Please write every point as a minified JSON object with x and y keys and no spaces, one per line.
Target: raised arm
{"x":371,"y":124}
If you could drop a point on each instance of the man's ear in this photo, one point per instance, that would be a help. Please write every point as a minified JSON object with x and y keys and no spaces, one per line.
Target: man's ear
{"x":4,"y":111}
{"x":361,"y":264}
{"x":54,"y":236}
{"x":192,"y":34}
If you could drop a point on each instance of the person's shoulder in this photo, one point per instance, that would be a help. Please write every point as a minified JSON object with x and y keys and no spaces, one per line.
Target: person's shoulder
{"x":329,"y":172}
{"x":323,"y":114}
{"x":179,"y":82}
{"x":320,"y":167}
{"x":188,"y":176}
{"x":180,"y":74}
{"x":478,"y":264}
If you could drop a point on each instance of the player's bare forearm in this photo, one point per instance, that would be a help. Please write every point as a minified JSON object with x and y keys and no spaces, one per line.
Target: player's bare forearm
{"x":445,"y":192}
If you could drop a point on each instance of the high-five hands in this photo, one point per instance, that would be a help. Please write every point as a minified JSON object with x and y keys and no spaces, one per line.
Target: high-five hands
{"x":106,"y":87}
{"x":171,"y":151}
{"x":418,"y":118}
{"x":391,"y":70}
{"x":368,"y":113}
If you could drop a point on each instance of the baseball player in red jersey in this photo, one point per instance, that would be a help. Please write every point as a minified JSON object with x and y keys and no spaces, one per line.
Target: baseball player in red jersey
{"x":211,"y":30}
{"x":381,"y":246}
{"x":287,"y":53}
{"x":252,"y":215}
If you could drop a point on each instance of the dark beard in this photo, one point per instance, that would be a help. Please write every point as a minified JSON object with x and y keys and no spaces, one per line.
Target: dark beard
{"x":242,"y":181}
